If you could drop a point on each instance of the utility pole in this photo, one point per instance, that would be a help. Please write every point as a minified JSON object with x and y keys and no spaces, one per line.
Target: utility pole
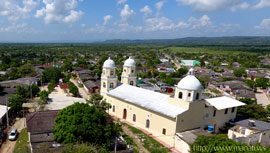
{"x":115,"y":145}
{"x":7,"y":113}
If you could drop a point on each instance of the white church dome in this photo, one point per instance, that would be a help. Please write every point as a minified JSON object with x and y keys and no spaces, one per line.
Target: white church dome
{"x":130,"y":62}
{"x":190,"y":82}
{"x":109,"y":63}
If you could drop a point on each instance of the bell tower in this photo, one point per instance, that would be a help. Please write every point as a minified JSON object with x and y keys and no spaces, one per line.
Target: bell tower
{"x":108,"y":76}
{"x":129,"y":72}
{"x":189,"y":89}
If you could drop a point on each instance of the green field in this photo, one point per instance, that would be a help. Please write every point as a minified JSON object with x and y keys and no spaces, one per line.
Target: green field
{"x":219,"y":50}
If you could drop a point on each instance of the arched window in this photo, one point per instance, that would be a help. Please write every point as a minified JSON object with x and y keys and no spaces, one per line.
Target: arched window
{"x":111,"y":72}
{"x":125,"y":70}
{"x":113,"y":108}
{"x":131,"y":83}
{"x":134,"y":118}
{"x":104,"y":72}
{"x":111,"y":85}
{"x":180,"y":95}
{"x":147,"y":123}
{"x":132,"y":71}
{"x":104,"y":85}
{"x":197,"y":96}
{"x":189,"y":94}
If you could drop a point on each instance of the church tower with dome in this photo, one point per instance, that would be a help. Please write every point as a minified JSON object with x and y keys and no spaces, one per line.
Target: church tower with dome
{"x":108,"y":76}
{"x":189,"y":89}
{"x":129,"y":72}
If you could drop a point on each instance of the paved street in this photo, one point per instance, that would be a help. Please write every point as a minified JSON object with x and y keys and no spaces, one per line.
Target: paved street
{"x":262,"y":98}
{"x":8,"y":146}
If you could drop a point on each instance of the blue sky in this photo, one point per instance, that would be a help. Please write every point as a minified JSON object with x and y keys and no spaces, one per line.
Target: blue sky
{"x":95,"y":20}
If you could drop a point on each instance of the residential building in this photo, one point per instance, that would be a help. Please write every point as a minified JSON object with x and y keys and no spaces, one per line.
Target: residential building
{"x":40,"y":130}
{"x":251,"y":132}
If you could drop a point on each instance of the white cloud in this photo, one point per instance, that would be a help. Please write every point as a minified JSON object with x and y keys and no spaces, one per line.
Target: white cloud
{"x":14,"y":28}
{"x":106,"y":19}
{"x":262,"y":4}
{"x":265,"y":24}
{"x":119,"y":2}
{"x":15,"y":9}
{"x":146,"y":10}
{"x":160,"y":4}
{"x":73,"y":16}
{"x":204,"y":21}
{"x":126,"y":13}
{"x":241,"y":6}
{"x":209,"y":5}
{"x":59,"y":11}
{"x":163,"y":23}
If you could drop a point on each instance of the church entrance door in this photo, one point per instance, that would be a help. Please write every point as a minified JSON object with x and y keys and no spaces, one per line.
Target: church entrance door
{"x":125,"y":114}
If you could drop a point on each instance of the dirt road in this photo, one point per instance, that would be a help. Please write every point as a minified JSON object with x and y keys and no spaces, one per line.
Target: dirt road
{"x":8,"y":146}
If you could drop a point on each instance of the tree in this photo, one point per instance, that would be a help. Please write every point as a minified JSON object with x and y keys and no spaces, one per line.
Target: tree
{"x":21,"y":90}
{"x":98,"y":101}
{"x":83,"y":123}
{"x":66,"y":78}
{"x":34,"y":89}
{"x":253,"y":111}
{"x":51,"y":86}
{"x":262,"y":82}
{"x":73,"y":89}
{"x":27,"y":70}
{"x":240,"y":72}
{"x":15,"y":102}
{"x":51,"y":74}
{"x":44,"y":95}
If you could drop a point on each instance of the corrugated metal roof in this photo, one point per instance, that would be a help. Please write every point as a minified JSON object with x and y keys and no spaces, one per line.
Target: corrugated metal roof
{"x":224,"y":102}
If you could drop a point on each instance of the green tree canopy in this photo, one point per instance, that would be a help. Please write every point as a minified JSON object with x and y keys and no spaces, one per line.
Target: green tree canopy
{"x":15,"y":102}
{"x":240,"y":72}
{"x":44,"y":95}
{"x":73,"y":89}
{"x":51,"y":74}
{"x":83,"y":123}
{"x":98,"y":101}
{"x":262,"y":82}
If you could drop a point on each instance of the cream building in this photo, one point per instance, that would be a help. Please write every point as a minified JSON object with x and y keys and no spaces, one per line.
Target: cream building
{"x":160,"y":114}
{"x":251,"y":132}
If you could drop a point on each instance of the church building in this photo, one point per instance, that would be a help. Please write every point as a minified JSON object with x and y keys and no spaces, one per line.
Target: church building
{"x":160,"y":114}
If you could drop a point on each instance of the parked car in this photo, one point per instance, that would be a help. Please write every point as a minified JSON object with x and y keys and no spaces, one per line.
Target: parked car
{"x":13,"y":134}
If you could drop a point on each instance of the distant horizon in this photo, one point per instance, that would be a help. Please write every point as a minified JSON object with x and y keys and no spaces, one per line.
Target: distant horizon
{"x":121,"y":39}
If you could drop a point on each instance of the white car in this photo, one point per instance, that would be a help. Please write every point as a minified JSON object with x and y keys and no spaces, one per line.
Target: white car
{"x":13,"y":134}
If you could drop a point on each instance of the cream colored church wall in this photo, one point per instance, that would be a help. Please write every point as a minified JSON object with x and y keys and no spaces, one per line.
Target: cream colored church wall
{"x":157,"y":121}
{"x":221,"y":118}
{"x":192,"y":118}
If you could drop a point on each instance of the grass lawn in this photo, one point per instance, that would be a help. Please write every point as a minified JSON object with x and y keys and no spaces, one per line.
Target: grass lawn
{"x":22,"y":145}
{"x":149,"y":143}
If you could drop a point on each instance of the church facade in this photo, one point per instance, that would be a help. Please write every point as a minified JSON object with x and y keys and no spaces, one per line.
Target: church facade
{"x":160,"y":114}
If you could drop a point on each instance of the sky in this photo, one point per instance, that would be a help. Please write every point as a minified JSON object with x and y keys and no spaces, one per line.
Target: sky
{"x":98,"y":20}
